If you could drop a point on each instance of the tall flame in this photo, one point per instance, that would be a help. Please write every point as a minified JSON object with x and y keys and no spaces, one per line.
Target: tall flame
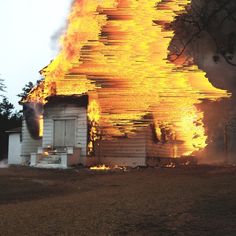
{"x":117,"y":49}
{"x":40,"y":126}
{"x":94,"y":117}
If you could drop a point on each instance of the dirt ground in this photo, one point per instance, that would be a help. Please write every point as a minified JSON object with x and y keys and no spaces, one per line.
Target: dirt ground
{"x":197,"y":200}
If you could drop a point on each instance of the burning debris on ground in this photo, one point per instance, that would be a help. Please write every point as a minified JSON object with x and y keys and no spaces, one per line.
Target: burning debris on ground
{"x":101,"y":167}
{"x":110,"y":168}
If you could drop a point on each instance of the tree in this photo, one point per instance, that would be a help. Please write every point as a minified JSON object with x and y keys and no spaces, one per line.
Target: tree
{"x":214,"y":19}
{"x":27,"y":88}
{"x":9,"y":119}
{"x":6,"y":108}
{"x":206,"y":35}
{"x":2,"y":86}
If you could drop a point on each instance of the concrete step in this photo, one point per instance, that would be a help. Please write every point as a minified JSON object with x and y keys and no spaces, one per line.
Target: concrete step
{"x":50,"y":166}
{"x":50,"y":160}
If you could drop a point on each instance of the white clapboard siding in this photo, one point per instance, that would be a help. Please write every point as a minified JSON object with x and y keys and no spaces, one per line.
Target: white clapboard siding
{"x":123,"y":151}
{"x":66,"y":111}
{"x":29,"y":145}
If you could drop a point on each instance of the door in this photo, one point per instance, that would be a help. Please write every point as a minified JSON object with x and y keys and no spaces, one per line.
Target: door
{"x":64,"y":133}
{"x":70,"y":133}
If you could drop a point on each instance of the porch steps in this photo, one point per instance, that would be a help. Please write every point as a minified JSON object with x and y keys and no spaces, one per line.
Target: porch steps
{"x":50,"y":162}
{"x":52,"y":159}
{"x":61,"y":159}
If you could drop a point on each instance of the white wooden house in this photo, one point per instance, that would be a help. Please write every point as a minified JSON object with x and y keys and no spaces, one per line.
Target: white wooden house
{"x":65,"y":139}
{"x":64,"y":136}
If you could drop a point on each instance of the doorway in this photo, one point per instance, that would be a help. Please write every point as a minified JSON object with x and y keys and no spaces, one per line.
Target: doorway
{"x":64,"y":133}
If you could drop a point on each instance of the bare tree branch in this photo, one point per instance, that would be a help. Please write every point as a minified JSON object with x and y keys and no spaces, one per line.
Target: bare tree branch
{"x":210,"y":17}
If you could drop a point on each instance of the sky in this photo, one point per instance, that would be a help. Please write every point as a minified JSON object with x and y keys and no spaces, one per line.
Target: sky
{"x":27,"y":40}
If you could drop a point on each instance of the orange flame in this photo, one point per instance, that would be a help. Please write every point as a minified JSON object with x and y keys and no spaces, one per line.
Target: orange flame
{"x":94,"y":111}
{"x":102,"y":167}
{"x":94,"y":117}
{"x":117,"y":49}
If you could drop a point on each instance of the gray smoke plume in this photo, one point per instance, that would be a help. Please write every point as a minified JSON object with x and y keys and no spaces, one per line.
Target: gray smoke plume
{"x":55,"y":38}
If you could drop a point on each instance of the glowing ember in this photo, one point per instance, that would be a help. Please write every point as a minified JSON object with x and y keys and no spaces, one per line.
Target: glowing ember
{"x":115,"y":51}
{"x":123,"y":168}
{"x":171,"y":165}
{"x":102,"y":167}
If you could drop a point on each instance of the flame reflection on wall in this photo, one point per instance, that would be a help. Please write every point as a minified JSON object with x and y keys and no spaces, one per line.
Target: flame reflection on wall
{"x":117,"y":49}
{"x":41,"y":126}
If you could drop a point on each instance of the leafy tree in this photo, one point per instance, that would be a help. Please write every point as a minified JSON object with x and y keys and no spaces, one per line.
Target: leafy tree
{"x":27,"y":88}
{"x":6,"y":108}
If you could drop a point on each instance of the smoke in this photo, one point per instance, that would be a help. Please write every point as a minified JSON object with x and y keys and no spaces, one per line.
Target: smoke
{"x":58,"y":34}
{"x":32,"y":113}
{"x":55,"y":38}
{"x":211,"y":44}
{"x":3,"y":164}
{"x":217,"y":114}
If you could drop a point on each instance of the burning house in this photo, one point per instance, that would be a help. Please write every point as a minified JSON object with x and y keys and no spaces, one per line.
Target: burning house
{"x":111,"y":96}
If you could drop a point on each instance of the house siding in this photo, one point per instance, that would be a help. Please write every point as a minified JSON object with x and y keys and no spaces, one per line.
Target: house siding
{"x":29,"y":145}
{"x":129,"y":151}
{"x":66,"y":111}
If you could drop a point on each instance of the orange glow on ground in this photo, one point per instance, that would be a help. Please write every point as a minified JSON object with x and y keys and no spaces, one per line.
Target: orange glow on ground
{"x":102,"y":167}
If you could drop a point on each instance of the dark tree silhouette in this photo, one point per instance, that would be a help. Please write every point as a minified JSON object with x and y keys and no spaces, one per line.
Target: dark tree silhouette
{"x":27,"y":88}
{"x":214,"y":19}
{"x":6,"y":108}
{"x":9,"y":119}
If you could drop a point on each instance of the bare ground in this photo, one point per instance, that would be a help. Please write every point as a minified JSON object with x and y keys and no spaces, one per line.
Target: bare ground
{"x":197,"y":201}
